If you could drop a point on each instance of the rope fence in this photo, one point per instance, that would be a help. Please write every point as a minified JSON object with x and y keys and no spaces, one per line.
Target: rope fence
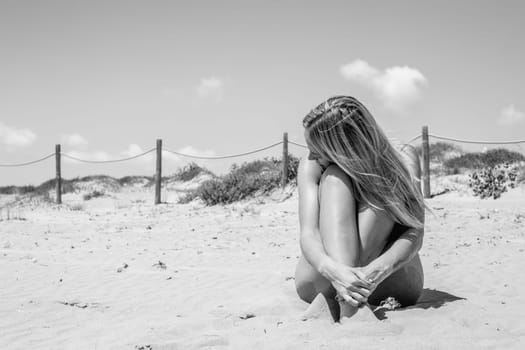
{"x":477,"y":142}
{"x":65,"y":155}
{"x":159,"y":149}
{"x":27,"y":163}
{"x":225,"y":157}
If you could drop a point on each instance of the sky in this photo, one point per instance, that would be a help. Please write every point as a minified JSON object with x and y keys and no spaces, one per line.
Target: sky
{"x":105,"y":79}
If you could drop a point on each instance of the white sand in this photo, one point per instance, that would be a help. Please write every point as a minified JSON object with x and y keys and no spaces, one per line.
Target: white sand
{"x":228,"y":281}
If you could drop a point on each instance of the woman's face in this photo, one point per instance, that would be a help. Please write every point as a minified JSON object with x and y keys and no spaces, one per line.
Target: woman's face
{"x":312,"y":155}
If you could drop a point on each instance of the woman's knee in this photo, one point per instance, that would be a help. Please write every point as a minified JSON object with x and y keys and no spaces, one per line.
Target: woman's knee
{"x":308,"y":290}
{"x":334,"y":179}
{"x":309,"y":283}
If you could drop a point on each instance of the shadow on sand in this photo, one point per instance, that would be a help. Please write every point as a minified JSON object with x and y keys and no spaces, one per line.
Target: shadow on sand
{"x":432,"y":298}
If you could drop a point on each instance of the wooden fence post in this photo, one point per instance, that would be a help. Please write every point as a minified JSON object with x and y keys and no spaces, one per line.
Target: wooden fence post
{"x":426,"y":163}
{"x":158,"y":175}
{"x":285,"y":160}
{"x":58,"y":175}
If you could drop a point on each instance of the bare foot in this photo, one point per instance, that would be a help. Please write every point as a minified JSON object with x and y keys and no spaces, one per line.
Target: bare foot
{"x":361,"y":314}
{"x":320,"y":308}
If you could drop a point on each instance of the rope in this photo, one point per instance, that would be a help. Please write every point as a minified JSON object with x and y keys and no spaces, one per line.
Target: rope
{"x":108,"y":161}
{"x":224,"y":157}
{"x":414,"y":139}
{"x":297,"y":144}
{"x":28,"y":163}
{"x":242,"y":154}
{"x":478,"y":142}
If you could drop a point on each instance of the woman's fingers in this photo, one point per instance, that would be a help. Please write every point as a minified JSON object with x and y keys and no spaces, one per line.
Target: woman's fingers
{"x":362,"y":276}
{"x":358,"y":297}
{"x":364,"y":288}
{"x":351,"y":301}
{"x":348,"y":299}
{"x":352,"y":298}
{"x":363,"y":283}
{"x":361,"y":291}
{"x":343,"y":294}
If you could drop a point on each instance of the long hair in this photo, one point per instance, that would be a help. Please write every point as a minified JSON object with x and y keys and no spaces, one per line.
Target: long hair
{"x":343,"y":131}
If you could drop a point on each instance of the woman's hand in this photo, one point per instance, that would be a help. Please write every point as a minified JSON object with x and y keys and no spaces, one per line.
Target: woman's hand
{"x":351,"y":285}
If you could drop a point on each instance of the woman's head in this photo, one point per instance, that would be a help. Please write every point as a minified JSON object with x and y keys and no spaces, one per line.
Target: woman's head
{"x":342,"y":131}
{"x":341,"y":126}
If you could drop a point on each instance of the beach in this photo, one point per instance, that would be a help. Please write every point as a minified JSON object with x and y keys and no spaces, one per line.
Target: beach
{"x":118,"y":272}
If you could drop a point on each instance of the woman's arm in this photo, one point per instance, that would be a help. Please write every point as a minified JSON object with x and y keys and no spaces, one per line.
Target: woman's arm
{"x":402,"y":251}
{"x":309,"y":175}
{"x":349,"y":282}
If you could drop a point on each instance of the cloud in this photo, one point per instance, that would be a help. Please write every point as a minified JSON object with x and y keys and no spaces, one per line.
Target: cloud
{"x":510,"y":116}
{"x":211,"y":88}
{"x":74,"y":140}
{"x":14,"y":137}
{"x":397,"y":87}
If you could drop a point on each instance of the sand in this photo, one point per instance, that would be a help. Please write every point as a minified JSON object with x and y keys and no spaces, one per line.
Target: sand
{"x":117,"y":272}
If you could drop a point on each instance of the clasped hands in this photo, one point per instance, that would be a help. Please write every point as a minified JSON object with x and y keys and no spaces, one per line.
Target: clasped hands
{"x":353,"y":284}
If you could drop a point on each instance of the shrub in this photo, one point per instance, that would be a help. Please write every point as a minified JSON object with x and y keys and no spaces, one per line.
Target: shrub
{"x":243,"y":181}
{"x":16,"y":189}
{"x":479,"y":160}
{"x":493,"y":181}
{"x":132,"y":180}
{"x":92,"y":195}
{"x":76,"y":207}
{"x":50,"y":185}
{"x":521,"y":173}
{"x":293,"y":166}
{"x":189,"y":172}
{"x":439,"y":151}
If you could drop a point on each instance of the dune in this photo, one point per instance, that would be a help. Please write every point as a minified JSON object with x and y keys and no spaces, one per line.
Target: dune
{"x":117,"y":272}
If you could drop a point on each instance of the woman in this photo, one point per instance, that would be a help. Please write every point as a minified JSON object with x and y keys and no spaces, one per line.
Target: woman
{"x":361,"y":212}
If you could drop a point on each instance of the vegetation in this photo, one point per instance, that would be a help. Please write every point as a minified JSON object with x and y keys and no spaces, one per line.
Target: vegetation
{"x":447,"y":158}
{"x":244,"y":181}
{"x":16,"y":189}
{"x":189,"y":172}
{"x":440,"y":151}
{"x":493,"y":181}
{"x":93,"y":194}
{"x":45,"y":187}
{"x":132,"y":180}
{"x":520,"y":169}
{"x":76,"y":207}
{"x":480,"y":160}
{"x":493,"y":172}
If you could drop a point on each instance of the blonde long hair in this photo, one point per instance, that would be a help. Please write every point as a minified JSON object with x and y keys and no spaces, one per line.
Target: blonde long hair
{"x":343,"y":131}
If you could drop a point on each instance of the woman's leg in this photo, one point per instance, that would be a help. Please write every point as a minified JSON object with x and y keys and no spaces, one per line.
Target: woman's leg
{"x":374,"y":229}
{"x":406,"y":284}
{"x":348,"y":235}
